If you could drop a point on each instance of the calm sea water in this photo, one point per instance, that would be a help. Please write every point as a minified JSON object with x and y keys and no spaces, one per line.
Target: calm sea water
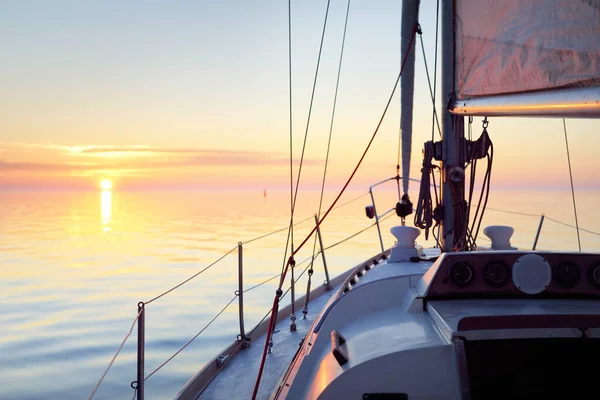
{"x":75,"y":265}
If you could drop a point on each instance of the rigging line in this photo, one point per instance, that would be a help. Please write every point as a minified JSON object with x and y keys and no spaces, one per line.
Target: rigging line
{"x":513,"y":212}
{"x":435,"y":116}
{"x":116,"y":354}
{"x":192,"y":339}
{"x":291,"y":227}
{"x":304,"y":220}
{"x":571,"y":226}
{"x":350,"y":201}
{"x":400,"y":123}
{"x":282,"y":296}
{"x":399,"y":149}
{"x":335,"y":96}
{"x":276,"y":231}
{"x":572,"y":187}
{"x":302,"y":273}
{"x":262,"y":283}
{"x":485,"y":187}
{"x":484,"y":191}
{"x":293,"y":200}
{"x":278,"y":275}
{"x":191,"y":277}
{"x":259,"y":322}
{"x":291,"y":224}
{"x":357,"y":233}
{"x":285,"y":259}
{"x":366,"y":149}
{"x":472,"y":163}
{"x":337,"y":85}
{"x":275,"y":300}
{"x":547,"y":217}
{"x":312,"y":97}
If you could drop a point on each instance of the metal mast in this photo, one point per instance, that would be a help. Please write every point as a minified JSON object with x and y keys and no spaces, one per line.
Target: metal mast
{"x":452,"y":128}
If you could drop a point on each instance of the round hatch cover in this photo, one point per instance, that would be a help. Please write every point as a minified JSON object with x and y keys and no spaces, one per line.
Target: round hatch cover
{"x":531,"y":274}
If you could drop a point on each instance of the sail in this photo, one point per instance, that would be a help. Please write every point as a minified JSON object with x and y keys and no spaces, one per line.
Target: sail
{"x":513,"y":46}
{"x":410,"y":11}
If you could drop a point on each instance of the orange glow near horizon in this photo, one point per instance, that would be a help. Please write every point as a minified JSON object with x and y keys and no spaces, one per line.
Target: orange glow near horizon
{"x":539,"y":161}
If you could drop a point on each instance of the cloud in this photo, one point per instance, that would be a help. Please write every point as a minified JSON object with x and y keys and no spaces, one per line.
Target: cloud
{"x":170,"y":158}
{"x":134,"y":150}
{"x":32,"y":166}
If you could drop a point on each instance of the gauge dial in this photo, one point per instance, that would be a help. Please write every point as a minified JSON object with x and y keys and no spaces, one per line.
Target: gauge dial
{"x":594,"y":275}
{"x":567,"y":274}
{"x":462,"y":273}
{"x":496,"y":273}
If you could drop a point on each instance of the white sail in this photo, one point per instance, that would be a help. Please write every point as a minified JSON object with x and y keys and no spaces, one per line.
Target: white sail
{"x":410,"y":12}
{"x":515,"y":46}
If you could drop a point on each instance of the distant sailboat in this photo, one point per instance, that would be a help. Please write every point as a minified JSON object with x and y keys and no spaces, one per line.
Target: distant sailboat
{"x":265,"y":193}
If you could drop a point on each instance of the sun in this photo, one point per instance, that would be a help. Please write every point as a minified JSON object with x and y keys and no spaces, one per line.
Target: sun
{"x":106,"y":184}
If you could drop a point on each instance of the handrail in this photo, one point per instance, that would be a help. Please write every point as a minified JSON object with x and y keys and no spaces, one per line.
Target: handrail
{"x":354,"y":234}
{"x":193,"y":338}
{"x":138,"y":385}
{"x":547,"y":217}
{"x":542,"y":218}
{"x":191,"y":277}
{"x":262,"y":283}
{"x":377,"y":216}
{"x":302,"y":221}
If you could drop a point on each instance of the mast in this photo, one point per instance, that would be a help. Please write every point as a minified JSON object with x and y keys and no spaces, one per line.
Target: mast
{"x":410,"y":18}
{"x":452,"y":127}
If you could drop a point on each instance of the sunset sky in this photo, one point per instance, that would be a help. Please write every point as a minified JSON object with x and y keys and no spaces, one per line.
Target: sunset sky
{"x":194,"y":95}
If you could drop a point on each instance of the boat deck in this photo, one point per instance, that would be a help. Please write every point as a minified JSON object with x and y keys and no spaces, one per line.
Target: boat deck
{"x":237,"y":379}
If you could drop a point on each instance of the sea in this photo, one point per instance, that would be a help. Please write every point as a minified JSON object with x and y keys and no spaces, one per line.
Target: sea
{"x":75,"y":265}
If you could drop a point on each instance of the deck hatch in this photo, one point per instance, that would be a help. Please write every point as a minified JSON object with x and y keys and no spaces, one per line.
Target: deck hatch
{"x":494,"y":322}
{"x":385,"y":396}
{"x":538,"y":368}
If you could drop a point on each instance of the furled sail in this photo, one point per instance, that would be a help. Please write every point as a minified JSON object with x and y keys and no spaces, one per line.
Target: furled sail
{"x":410,"y":11}
{"x":511,"y":47}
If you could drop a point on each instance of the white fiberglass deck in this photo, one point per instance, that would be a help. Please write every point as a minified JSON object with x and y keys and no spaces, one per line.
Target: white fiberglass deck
{"x":237,"y":378}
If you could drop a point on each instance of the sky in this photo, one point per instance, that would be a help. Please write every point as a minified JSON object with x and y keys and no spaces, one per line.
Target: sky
{"x":194,"y":95}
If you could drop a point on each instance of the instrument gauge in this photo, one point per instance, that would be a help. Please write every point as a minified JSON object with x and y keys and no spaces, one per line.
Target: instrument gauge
{"x":496,"y":273}
{"x":567,"y":274}
{"x":462,"y":273}
{"x":594,"y":275}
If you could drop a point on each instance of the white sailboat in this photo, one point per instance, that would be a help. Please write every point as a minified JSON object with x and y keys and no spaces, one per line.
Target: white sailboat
{"x":499,"y":323}
{"x":460,"y":321}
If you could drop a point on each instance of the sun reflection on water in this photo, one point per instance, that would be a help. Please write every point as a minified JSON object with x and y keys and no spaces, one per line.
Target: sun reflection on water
{"x":106,"y":209}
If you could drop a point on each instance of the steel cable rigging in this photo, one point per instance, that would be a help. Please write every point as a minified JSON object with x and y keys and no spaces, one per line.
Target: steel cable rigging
{"x":291,"y":259}
{"x":337,"y":85}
